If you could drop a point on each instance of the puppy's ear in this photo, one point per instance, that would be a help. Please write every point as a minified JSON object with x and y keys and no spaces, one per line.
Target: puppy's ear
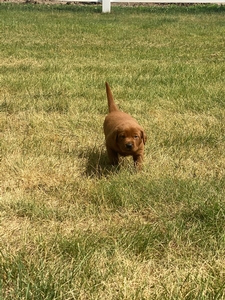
{"x":143,"y":136}
{"x":114,"y":136}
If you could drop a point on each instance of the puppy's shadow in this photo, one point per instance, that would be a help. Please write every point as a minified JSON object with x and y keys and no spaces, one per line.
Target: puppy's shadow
{"x":97,"y":163}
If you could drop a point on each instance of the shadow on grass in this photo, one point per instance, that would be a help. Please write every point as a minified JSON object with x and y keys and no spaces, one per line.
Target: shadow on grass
{"x":96,"y":8}
{"x":168,"y":8}
{"x":97,"y":163}
{"x":75,"y":7}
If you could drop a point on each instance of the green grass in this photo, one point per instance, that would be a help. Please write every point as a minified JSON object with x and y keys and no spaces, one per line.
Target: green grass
{"x":73,"y":227}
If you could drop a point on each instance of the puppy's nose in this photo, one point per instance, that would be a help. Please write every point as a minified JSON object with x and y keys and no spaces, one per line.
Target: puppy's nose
{"x":129,"y":146}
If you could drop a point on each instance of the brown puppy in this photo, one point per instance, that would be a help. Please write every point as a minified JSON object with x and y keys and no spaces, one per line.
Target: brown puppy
{"x":123,"y":135}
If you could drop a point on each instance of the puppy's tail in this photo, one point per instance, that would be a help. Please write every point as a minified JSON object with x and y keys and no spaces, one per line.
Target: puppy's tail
{"x":111,"y":104}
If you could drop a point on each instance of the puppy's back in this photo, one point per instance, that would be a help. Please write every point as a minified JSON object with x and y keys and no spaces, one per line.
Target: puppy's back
{"x":116,"y":119}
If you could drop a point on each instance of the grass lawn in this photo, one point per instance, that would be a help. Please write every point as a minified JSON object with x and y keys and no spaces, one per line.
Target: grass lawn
{"x":73,"y":227}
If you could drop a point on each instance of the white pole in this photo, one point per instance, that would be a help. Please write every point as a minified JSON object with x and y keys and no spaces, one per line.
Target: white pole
{"x":106,"y":7}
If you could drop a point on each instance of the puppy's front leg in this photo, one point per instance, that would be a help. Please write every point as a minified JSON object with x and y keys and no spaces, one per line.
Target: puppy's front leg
{"x":113,"y":156}
{"x":138,"y":160}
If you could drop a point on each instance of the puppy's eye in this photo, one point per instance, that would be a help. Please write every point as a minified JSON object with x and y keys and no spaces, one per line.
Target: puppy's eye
{"x":136,"y":137}
{"x":122,"y":136}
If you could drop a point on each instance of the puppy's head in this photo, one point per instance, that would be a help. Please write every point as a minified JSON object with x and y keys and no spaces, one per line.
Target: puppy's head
{"x":129,"y":139}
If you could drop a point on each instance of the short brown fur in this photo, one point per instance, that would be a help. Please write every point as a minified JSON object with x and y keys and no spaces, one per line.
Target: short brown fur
{"x":123,"y":135}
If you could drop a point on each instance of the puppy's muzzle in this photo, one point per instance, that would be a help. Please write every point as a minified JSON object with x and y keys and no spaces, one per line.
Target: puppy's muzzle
{"x":129,"y":146}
